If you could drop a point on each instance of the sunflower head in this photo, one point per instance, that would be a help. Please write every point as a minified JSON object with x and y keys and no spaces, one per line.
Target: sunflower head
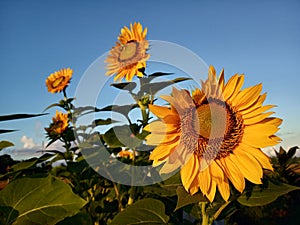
{"x":59,"y":80}
{"x":59,"y":124}
{"x":214,"y":135}
{"x":126,"y":154}
{"x":128,"y":58}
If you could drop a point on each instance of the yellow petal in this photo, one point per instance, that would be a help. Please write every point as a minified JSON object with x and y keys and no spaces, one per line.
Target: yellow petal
{"x":247,"y":97}
{"x":217,"y":173}
{"x":262,"y":158}
{"x":161,"y":151}
{"x":160,"y":127}
{"x":160,"y":111}
{"x":156,"y":139}
{"x":259,"y":141}
{"x":221,"y":79}
{"x":181,"y":154}
{"x":183,"y":97}
{"x":224,"y":189}
{"x":170,"y":167}
{"x":158,"y":162}
{"x":272,"y":121}
{"x":260,"y":129}
{"x":157,"y":126}
{"x":256,"y":111}
{"x":258,"y":135}
{"x":212,"y":191}
{"x":233,"y":86}
{"x":257,"y":118}
{"x":258,"y":103}
{"x":204,"y":180}
{"x":189,"y":171}
{"x":248,"y":166}
{"x":194,"y":186}
{"x":233,"y":173}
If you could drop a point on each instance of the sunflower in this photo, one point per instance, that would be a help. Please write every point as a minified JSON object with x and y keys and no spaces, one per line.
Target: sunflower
{"x":59,"y":80}
{"x":128,"y":57}
{"x":59,"y":124}
{"x":214,"y":135}
{"x":126,"y":154}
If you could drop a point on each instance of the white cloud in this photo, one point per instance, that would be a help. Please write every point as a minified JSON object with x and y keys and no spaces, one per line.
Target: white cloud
{"x":28,"y":143}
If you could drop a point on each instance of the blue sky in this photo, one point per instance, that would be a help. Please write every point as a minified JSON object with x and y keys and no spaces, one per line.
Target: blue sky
{"x":258,"y":38}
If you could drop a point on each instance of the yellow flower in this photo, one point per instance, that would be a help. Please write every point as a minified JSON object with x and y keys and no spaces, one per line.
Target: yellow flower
{"x":59,"y":80}
{"x":59,"y":124}
{"x":128,"y":57}
{"x":214,"y":136}
{"x":126,"y":154}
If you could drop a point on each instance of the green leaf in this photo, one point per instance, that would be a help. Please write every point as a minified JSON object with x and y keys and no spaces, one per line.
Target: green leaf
{"x":38,"y":201}
{"x":260,"y":197}
{"x":120,"y":136}
{"x":5,"y":144}
{"x":143,"y":212}
{"x":185,"y":198}
{"x":292,"y":152}
{"x":158,"y":190}
{"x":170,"y":185}
{"x":153,"y":88}
{"x":53,"y":105}
{"x":128,"y":86}
{"x":146,"y":80}
{"x":2,"y":131}
{"x":122,"y":109}
{"x":19,"y":116}
{"x":24,"y":165}
{"x":99,"y":122}
{"x":5,"y":212}
{"x":80,"y":219}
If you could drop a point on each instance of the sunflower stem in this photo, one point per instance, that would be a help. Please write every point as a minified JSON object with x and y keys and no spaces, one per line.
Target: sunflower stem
{"x":132,"y":190}
{"x":206,"y":220}
{"x":145,"y":115}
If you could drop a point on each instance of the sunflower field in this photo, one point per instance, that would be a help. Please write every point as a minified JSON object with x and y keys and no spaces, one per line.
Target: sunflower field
{"x":190,"y":156}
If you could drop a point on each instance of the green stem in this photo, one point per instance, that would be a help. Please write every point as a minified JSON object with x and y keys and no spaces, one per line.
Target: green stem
{"x":132,"y":190}
{"x":144,"y":116}
{"x":220,"y":210}
{"x":65,"y":94}
{"x":206,"y":219}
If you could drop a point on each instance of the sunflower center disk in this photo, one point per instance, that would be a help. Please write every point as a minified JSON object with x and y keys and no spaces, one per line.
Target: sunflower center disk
{"x":128,"y":51}
{"x":213,"y":130}
{"x":57,"y":82}
{"x":212,"y":120}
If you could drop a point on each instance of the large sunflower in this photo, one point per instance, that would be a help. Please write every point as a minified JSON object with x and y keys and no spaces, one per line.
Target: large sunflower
{"x":128,"y":57}
{"x":59,"y":124}
{"x":214,"y":135}
{"x":59,"y":80}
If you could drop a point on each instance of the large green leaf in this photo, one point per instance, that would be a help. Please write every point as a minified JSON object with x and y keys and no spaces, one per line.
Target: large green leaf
{"x":153,"y":88}
{"x":261,"y":197}
{"x":19,"y":116}
{"x":78,"y":219}
{"x":143,"y":212}
{"x":120,"y":136}
{"x":2,"y":131}
{"x":100,"y":122}
{"x":5,"y":144}
{"x":42,"y":201}
{"x":122,"y":109}
{"x":149,"y":78}
{"x":185,"y":198}
{"x":167,"y":187}
{"x":128,"y":86}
